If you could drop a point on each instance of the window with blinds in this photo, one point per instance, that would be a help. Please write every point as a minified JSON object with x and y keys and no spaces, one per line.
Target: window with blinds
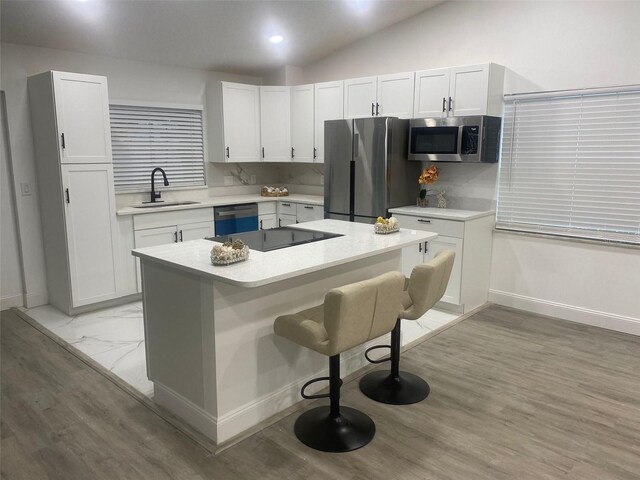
{"x":570,"y":164}
{"x":143,"y":138}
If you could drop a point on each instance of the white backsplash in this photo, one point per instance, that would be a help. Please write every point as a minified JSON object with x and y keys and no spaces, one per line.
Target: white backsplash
{"x":468,"y":186}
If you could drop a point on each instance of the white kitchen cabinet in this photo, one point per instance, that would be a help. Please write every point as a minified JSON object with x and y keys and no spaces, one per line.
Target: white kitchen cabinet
{"x":360,"y":97}
{"x":468,"y":286}
{"x":267,"y":221}
{"x":267,"y":216}
{"x":275,"y":124}
{"x":91,"y":232}
{"x":83,"y":251}
{"x":163,"y":228}
{"x":82,"y":115}
{"x":459,"y":91}
{"x":285,"y":219}
{"x":431,"y":93}
{"x":328,"y":98}
{"x":389,"y":95}
{"x":395,"y":95}
{"x":309,"y":213}
{"x":241,"y":122}
{"x":302,"y":133}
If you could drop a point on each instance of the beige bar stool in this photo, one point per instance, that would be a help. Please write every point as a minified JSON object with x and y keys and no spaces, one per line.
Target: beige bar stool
{"x":349,"y":316}
{"x":423,"y":290}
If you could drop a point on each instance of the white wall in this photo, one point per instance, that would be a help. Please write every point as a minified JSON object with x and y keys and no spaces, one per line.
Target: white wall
{"x":11,"y":286}
{"x":128,"y":80}
{"x":545,"y":46}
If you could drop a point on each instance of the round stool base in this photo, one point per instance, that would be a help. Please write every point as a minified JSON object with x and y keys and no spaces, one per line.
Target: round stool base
{"x":404,"y":390}
{"x":349,"y":431}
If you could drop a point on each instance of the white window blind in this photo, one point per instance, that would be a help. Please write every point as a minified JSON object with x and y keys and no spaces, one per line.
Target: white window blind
{"x":570,"y":165}
{"x":143,"y":138}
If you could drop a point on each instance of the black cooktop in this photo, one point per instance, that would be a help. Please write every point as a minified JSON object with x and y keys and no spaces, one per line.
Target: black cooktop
{"x":276,"y":238}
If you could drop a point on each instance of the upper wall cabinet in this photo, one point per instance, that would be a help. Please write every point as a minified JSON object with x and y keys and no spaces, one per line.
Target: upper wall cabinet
{"x":328,"y":106}
{"x":82,"y":115}
{"x":459,"y":91}
{"x":241,"y":122}
{"x":275,"y":124}
{"x":389,"y":95}
{"x":395,"y":95}
{"x":302,"y":133}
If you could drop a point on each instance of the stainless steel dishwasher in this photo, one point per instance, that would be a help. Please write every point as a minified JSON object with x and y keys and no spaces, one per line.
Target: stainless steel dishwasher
{"x":230,"y":219}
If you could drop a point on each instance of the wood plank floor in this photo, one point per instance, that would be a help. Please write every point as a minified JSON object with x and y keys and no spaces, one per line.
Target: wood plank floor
{"x":514,"y":396}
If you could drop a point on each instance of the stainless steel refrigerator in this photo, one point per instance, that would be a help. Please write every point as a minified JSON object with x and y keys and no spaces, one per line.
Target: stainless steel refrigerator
{"x":366,"y":168}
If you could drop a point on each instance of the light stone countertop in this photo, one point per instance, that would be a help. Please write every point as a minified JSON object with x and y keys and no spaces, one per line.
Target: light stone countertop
{"x":225,"y":200}
{"x":444,"y":213}
{"x":359,"y":241}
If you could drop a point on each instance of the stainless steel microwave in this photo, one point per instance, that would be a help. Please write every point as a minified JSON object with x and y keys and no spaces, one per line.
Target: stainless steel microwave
{"x":455,"y":139}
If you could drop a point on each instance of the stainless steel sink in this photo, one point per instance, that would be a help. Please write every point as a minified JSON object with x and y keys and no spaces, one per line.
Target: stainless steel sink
{"x":164,"y":204}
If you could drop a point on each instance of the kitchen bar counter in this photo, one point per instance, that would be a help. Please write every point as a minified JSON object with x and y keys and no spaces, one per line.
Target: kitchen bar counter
{"x":224,"y":200}
{"x":443,"y":213}
{"x":211,"y":352}
{"x":358,"y":241}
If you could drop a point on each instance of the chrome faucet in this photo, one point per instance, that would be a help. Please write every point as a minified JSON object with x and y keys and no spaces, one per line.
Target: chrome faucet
{"x":156,"y":195}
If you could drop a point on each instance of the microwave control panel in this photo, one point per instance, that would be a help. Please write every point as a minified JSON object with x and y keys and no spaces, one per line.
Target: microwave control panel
{"x":469,"y":144}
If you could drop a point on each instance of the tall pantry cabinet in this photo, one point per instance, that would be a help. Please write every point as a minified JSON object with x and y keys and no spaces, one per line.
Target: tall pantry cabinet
{"x":70,"y":122}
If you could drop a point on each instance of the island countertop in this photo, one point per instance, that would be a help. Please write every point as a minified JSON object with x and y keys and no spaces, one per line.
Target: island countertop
{"x":358,"y":241}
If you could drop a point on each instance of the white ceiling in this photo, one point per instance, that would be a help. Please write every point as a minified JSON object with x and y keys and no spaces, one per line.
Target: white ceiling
{"x":217,"y":35}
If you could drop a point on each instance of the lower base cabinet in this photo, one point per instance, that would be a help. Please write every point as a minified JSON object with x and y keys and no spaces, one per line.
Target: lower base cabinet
{"x":267,"y":221}
{"x":152,"y":230}
{"x":285,"y":219}
{"x":468,"y":286}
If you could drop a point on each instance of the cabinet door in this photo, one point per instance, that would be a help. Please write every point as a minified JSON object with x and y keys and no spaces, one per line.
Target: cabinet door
{"x":395,"y":95}
{"x":452,"y":294}
{"x":302,"y":123}
{"x":309,"y":213}
{"x":195,"y":231}
{"x":360,"y":97}
{"x":82,"y":114}
{"x":412,"y":256}
{"x":241,"y":122}
{"x":284,"y":220}
{"x":152,"y":237}
{"x":328,"y":100}
{"x":469,"y":87}
{"x":92,"y":232}
{"x":267,"y":221}
{"x":431,"y":93}
{"x":275,"y":124}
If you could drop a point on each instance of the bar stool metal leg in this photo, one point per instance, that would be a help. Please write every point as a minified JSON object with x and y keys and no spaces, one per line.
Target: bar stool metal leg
{"x":333,"y":428}
{"x":394,"y":387}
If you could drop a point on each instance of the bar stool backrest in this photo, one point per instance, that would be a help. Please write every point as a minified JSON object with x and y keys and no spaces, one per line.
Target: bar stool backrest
{"x":428,"y":283}
{"x":356,"y":313}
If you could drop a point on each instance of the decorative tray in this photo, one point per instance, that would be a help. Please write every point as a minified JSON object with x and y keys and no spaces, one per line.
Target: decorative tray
{"x":228,"y":253}
{"x":385,"y":230}
{"x":274,"y":192}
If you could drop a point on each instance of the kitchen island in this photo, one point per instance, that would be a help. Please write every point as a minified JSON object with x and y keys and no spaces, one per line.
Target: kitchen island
{"x":211,"y":352}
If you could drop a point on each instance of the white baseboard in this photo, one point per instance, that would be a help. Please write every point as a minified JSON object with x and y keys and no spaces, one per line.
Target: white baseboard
{"x":36,"y":299}
{"x":10,"y":301}
{"x":186,"y":410}
{"x":611,"y":321}
{"x":251,"y":414}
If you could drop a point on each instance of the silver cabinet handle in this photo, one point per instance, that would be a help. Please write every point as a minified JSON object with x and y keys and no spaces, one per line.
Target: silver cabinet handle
{"x":450,"y":101}
{"x":422,"y":220}
{"x":227,"y":152}
{"x":64,"y":145}
{"x":426,"y":247}
{"x":315,"y":154}
{"x":286,"y":204}
{"x":444,"y":104}
{"x":293,"y":152}
{"x":67,"y":195}
{"x":420,"y":247}
{"x":175,"y":237}
{"x":377,"y":109}
{"x":262,"y":152}
{"x":373,"y":105}
{"x":260,"y":224}
{"x":180,"y":235}
{"x":308,"y":207}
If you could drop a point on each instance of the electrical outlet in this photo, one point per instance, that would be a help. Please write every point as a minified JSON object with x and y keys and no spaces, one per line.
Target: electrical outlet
{"x":228,"y":180}
{"x":321,"y":179}
{"x":253,"y":180}
{"x":25,"y":188}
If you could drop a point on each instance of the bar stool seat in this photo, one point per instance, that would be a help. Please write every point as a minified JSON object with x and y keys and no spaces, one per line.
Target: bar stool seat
{"x":350,"y":316}
{"x":422,"y":291}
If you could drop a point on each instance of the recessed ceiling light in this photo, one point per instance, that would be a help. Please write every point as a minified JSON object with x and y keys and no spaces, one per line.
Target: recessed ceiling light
{"x":276,"y":38}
